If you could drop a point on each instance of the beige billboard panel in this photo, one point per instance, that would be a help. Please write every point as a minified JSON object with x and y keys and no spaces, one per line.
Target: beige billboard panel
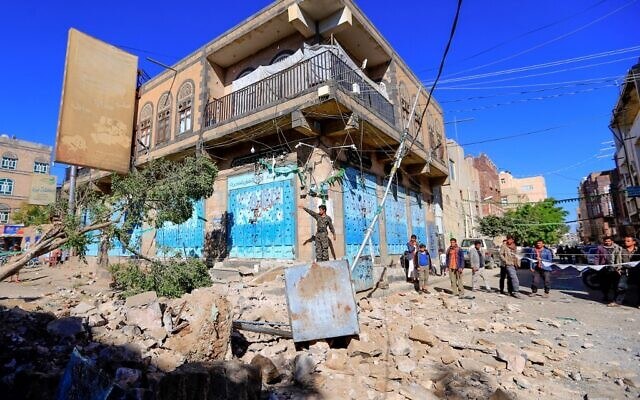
{"x":97,"y":109}
{"x":43,"y":189}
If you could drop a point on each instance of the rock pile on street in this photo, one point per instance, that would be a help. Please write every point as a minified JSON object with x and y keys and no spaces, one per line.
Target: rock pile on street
{"x":411,"y":346}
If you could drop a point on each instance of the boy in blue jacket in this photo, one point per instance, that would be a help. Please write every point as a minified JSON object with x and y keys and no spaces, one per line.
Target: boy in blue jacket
{"x":541,"y":254}
{"x":423,"y":265}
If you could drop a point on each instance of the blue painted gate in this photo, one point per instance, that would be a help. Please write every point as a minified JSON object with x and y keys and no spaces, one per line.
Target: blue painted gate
{"x":185,"y":239}
{"x":418,"y":218}
{"x":395,"y":213}
{"x":432,"y":241}
{"x":261,"y":216}
{"x":115,"y":249}
{"x":359,"y":203}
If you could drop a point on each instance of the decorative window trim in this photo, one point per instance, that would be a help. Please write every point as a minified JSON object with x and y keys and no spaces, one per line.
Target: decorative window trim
{"x":245,"y":72}
{"x":184,"y":109}
{"x":283,"y":55}
{"x":9,"y":161}
{"x":163,"y":127}
{"x":145,"y":128}
{"x":40,"y":167}
{"x":6,"y":186}
{"x":5,"y":211}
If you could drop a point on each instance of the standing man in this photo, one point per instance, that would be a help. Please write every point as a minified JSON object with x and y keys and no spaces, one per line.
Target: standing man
{"x":476,"y":258}
{"x":541,"y":254}
{"x":608,"y":254}
{"x":509,"y":257}
{"x":628,"y":254}
{"x":442,"y":258}
{"x":323,"y":225}
{"x":455,"y":264}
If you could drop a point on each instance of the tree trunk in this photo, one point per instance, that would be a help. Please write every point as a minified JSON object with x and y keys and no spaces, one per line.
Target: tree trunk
{"x":103,"y":256}
{"x":51,"y":240}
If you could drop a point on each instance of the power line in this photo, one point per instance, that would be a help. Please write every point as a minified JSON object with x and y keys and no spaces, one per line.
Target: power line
{"x":549,"y":41}
{"x":556,"y":22}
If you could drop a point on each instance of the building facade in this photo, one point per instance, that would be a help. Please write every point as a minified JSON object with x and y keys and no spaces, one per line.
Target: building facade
{"x":596,"y":211}
{"x":20,"y":161}
{"x":490,"y":196}
{"x":625,"y":127}
{"x":461,"y":204}
{"x":301,"y":104}
{"x":514,"y":191}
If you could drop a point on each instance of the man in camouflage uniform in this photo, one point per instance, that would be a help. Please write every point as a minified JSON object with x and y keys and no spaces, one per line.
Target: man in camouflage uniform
{"x":323,"y":226}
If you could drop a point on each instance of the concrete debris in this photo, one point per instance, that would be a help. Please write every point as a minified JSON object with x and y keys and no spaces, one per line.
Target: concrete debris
{"x":515,"y":358}
{"x":268,"y":369}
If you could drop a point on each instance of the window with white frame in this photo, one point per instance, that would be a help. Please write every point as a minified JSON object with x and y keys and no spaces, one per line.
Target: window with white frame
{"x":6,"y":186}
{"x":144,"y":129}
{"x":185,"y":102}
{"x":9,"y":161}
{"x":4,"y":213}
{"x":40,"y":167}
{"x":452,"y":170}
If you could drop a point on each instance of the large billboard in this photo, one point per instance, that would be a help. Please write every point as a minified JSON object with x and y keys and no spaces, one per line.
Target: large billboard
{"x":43,"y":189}
{"x":95,"y":126}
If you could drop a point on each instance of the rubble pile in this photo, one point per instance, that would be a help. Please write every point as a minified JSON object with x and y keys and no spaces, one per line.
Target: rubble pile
{"x":411,"y":346}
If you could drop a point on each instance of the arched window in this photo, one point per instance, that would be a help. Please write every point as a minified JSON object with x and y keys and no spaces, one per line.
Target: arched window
{"x":9,"y":160}
{"x":6,"y":186}
{"x":41,"y":165}
{"x":284,"y":54}
{"x":144,"y":128}
{"x":245,"y":72}
{"x":185,"y":106}
{"x":5,"y":210}
{"x":163,"y":131}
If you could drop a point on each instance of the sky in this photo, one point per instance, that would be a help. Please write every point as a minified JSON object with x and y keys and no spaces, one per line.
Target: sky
{"x":560,"y":111}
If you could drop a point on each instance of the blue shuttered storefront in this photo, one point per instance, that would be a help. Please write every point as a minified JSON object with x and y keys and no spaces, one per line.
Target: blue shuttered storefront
{"x":395,"y":212}
{"x":359,"y":204}
{"x":261,"y":216}
{"x":186,"y":239}
{"x":418,"y":219}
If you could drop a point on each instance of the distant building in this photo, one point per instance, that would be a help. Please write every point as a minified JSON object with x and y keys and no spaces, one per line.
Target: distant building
{"x":521,"y":190}
{"x":625,"y":126}
{"x":489,"y":179}
{"x":461,"y":194}
{"x":20,"y":161}
{"x":596,"y":212}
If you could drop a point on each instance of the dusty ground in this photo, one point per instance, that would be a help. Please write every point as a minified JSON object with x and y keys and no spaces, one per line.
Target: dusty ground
{"x":413,"y":345}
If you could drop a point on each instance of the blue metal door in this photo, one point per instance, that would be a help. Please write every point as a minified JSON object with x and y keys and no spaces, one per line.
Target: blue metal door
{"x":186,"y":239}
{"x":359,"y":203}
{"x":395,"y":212}
{"x":418,"y":218}
{"x":432,"y":241}
{"x":261,"y":217}
{"x":116,"y":249}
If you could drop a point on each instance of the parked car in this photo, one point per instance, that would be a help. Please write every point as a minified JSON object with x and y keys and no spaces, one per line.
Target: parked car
{"x":526,"y":253}
{"x":592,"y":256}
{"x":491,"y":251}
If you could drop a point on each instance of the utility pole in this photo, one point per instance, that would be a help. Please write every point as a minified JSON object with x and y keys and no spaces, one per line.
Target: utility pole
{"x":72,"y":189}
{"x":396,"y":164}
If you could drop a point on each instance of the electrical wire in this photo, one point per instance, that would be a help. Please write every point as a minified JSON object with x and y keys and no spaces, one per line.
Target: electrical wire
{"x":549,"y":41}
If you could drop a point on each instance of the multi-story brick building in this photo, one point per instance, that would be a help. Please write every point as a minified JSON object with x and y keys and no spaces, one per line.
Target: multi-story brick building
{"x":489,"y":185}
{"x":597,"y":216}
{"x":461,"y":194}
{"x":20,"y":161}
{"x":282,"y":102}
{"x":514,"y":191}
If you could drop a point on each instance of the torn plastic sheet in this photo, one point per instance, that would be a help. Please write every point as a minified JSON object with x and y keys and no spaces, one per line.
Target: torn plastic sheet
{"x":83,"y":380}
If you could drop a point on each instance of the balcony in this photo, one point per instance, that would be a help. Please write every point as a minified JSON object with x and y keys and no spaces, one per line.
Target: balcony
{"x":323,"y":68}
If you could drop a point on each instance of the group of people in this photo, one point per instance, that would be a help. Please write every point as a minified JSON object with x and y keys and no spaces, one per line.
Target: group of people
{"x":614,"y":276}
